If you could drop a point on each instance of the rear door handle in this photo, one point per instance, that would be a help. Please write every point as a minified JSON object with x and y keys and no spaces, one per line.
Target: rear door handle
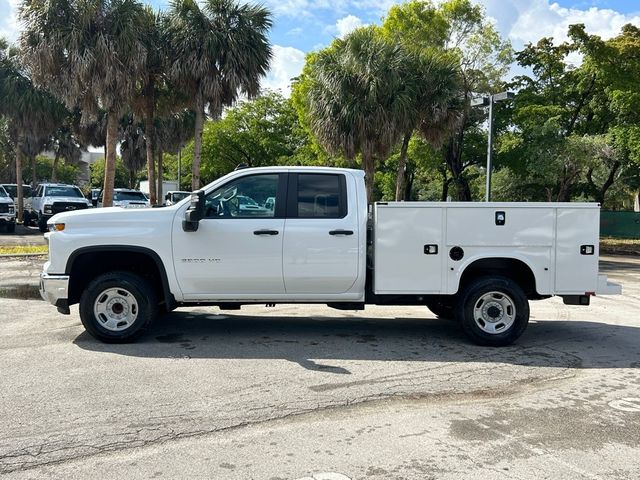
{"x":265,"y":232}
{"x":341,"y":232}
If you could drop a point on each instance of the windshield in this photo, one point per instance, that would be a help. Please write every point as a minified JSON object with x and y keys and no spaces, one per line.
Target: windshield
{"x":138,"y":196}
{"x":3,"y":193}
{"x":64,"y":192}
{"x":12,"y":190}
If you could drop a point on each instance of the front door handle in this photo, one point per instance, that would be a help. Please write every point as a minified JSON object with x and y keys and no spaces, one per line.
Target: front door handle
{"x":341,"y":232}
{"x":265,"y":232}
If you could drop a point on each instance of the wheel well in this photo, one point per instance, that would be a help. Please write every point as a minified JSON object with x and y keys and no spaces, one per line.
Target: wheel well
{"x":87,"y":265}
{"x":516,"y":270}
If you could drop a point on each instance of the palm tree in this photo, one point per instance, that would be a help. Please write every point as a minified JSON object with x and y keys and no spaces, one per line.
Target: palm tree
{"x":64,"y":145}
{"x":132,"y":148}
{"x":91,"y":55}
{"x":358,"y":97}
{"x":216,"y":52}
{"x":32,"y":113}
{"x":437,"y":105}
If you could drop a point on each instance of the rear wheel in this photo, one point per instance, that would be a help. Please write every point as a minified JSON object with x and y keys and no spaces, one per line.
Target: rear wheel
{"x":493,"y":311}
{"x":117,"y":307}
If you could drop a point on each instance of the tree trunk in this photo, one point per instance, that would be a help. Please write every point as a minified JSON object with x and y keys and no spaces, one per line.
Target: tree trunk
{"x":34,"y":175}
{"x":54,"y":170}
{"x":150,"y":131}
{"x":160,"y":176}
{"x":453,"y":158}
{"x":197,"y":143}
{"x":20,"y":193}
{"x":402,"y":166}
{"x":110,"y":160}
{"x":369,"y":173}
{"x":602,"y":191}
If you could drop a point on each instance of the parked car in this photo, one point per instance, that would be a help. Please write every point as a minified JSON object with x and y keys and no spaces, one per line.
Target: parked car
{"x":174,"y":196}
{"x":7,"y":211}
{"x":127,"y":198}
{"x":52,"y":198}
{"x":94,"y":194}
{"x":12,"y":190}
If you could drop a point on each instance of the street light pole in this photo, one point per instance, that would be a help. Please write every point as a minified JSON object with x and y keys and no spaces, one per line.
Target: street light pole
{"x":488,"y":102}
{"x":487,"y":196}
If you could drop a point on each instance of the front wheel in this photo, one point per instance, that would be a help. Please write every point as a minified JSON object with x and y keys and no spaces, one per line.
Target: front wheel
{"x":117,"y":307}
{"x":42,"y":223}
{"x":493,"y":311}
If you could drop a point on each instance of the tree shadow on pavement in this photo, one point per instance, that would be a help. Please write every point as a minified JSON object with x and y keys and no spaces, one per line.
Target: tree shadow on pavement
{"x":311,"y":341}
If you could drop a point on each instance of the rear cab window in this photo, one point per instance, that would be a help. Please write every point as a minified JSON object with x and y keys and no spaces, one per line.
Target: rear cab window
{"x":317,"y":195}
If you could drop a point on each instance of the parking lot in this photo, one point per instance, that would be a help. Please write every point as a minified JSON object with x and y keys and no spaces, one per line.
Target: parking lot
{"x":297,"y":392}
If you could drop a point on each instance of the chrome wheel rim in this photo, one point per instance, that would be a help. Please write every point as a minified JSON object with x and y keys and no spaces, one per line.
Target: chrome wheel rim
{"x":115,"y":309}
{"x":494,"y":312}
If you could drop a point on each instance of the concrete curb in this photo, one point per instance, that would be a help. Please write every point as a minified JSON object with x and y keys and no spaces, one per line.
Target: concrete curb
{"x":19,"y":255}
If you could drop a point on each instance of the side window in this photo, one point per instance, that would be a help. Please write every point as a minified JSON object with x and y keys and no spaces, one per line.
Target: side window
{"x":39,"y":191}
{"x":247,"y":197}
{"x":321,"y":196}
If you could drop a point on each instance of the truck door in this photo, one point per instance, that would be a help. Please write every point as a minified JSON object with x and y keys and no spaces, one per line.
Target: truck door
{"x":237,"y":249}
{"x":320,"y":251}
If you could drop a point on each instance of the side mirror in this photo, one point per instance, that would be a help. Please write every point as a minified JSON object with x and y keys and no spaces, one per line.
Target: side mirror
{"x":194,"y":213}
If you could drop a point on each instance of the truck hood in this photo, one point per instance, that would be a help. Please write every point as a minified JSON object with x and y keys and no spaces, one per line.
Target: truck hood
{"x":113,"y":217}
{"x":49,"y":200}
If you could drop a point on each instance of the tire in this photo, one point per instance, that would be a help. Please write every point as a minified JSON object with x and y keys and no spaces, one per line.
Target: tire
{"x":26,"y":218}
{"x":117,"y":307}
{"x":493,"y":311}
{"x":442,"y":307}
{"x":11,"y":227}
{"x":42,"y":223}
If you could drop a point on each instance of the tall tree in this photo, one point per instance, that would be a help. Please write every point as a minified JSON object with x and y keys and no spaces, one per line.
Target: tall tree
{"x":90,"y":54}
{"x":460,"y":28}
{"x":355,"y":96}
{"x":64,"y":145}
{"x":216,"y":52}
{"x":32,"y":113}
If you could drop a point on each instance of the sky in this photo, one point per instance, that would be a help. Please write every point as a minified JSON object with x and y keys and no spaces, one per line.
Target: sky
{"x":301,"y":26}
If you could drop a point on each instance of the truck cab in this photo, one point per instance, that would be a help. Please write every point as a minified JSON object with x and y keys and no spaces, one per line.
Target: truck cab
{"x":320,"y":243}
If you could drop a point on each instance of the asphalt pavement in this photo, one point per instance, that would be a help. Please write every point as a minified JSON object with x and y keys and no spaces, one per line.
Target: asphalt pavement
{"x":307,"y":392}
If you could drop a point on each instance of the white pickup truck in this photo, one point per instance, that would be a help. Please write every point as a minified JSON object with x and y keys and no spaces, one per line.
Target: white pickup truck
{"x":318,"y":242}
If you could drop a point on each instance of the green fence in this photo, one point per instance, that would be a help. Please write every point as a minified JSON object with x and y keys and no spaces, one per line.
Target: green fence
{"x":620,"y":224}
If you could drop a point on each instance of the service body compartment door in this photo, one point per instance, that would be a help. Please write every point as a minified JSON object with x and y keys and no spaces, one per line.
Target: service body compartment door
{"x":408,"y":249}
{"x":322,"y":234}
{"x":577,"y":249}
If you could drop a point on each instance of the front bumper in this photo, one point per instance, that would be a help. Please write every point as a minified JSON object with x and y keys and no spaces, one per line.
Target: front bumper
{"x":4,"y":218}
{"x":54,"y":289}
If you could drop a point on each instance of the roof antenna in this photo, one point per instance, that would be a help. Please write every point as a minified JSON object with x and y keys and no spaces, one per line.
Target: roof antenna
{"x":241,"y":166}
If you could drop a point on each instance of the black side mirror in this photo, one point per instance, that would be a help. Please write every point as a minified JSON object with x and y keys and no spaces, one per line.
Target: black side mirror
{"x":194,"y":213}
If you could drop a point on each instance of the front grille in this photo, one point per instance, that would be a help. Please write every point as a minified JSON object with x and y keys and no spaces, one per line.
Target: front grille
{"x":59,"y":207}
{"x":4,"y":208}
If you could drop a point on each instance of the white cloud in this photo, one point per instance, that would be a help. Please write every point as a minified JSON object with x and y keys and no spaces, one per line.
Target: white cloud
{"x":346,"y":25}
{"x":287,"y":63}
{"x":525,"y":21}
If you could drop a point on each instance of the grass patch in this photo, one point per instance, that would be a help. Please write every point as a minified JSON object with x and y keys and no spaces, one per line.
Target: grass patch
{"x":620,"y":245}
{"x":17,"y":249}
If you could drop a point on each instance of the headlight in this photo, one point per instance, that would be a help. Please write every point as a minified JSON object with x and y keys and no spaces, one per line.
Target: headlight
{"x":12,"y":209}
{"x":47,"y":209}
{"x":56,"y":227}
